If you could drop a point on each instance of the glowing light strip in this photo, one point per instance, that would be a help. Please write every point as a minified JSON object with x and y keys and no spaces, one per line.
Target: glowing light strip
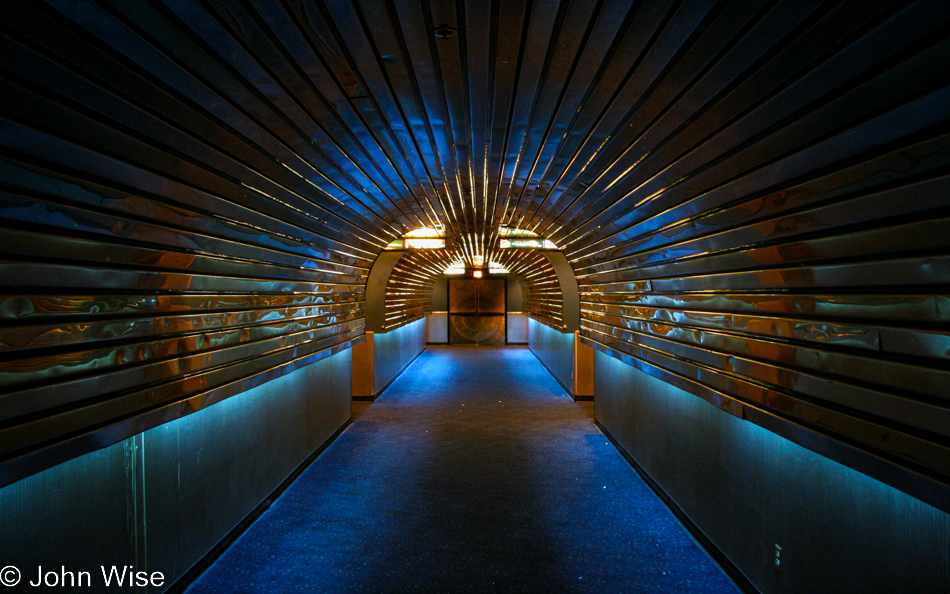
{"x":424,"y":244}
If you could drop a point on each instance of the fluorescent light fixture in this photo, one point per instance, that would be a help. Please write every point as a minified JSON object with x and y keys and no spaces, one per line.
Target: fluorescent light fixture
{"x":527,"y":243}
{"x":515,"y":232}
{"x":477,"y":274}
{"x":425,"y":232}
{"x":424,"y":244}
{"x":522,"y":242}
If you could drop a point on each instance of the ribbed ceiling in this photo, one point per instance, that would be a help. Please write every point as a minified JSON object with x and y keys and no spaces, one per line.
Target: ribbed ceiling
{"x":395,"y":115}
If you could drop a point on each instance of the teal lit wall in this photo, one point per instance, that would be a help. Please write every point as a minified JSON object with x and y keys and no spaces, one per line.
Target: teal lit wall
{"x":394,"y":350}
{"x":162,"y":499}
{"x":555,"y":350}
{"x":749,"y":489}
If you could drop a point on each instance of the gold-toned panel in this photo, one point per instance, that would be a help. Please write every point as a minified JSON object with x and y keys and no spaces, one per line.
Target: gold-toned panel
{"x":491,"y":295}
{"x":463,"y":295}
{"x":463,"y":329}
{"x":491,"y":330}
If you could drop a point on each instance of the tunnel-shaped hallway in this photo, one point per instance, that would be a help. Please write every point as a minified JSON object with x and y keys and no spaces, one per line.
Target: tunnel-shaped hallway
{"x":474,"y":471}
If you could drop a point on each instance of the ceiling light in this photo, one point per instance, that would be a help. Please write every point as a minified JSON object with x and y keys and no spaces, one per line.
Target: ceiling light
{"x":445,"y":31}
{"x":424,"y":244}
{"x":424,"y":232}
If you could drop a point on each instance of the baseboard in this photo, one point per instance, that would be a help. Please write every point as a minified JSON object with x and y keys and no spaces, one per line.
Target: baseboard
{"x":727,"y":566}
{"x":208,"y":559}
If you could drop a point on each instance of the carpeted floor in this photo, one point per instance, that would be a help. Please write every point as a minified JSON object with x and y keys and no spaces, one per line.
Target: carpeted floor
{"x":473,"y":472}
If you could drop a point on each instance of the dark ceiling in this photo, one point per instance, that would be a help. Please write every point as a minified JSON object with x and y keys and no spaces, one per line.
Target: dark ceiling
{"x":565,"y":118}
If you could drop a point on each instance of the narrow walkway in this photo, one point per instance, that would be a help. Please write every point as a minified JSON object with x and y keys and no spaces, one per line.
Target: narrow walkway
{"x":474,"y":472}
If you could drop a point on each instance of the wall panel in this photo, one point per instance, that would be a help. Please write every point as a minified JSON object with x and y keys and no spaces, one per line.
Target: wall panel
{"x":154,"y":255}
{"x":555,"y":349}
{"x":784,"y":249}
{"x":395,"y":349}
{"x":409,"y":288}
{"x":749,"y":490}
{"x":541,"y":291}
{"x":161,"y":499}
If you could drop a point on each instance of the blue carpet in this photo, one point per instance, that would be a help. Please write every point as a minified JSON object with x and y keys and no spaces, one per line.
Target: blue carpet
{"x":474,"y":472}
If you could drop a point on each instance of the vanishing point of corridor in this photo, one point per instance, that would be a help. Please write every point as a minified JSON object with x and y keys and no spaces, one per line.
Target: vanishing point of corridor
{"x":474,"y":472}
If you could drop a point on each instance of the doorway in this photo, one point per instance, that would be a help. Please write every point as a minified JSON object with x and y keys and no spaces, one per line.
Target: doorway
{"x":477,"y":311}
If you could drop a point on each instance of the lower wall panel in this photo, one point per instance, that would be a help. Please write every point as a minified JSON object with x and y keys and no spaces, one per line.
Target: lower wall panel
{"x":437,"y":327}
{"x":749,"y":490}
{"x":517,"y":327}
{"x":395,"y":349}
{"x":555,"y":350}
{"x":163,"y":498}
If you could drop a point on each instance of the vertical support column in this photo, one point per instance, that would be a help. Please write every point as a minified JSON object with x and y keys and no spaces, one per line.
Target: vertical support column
{"x":364,"y":368}
{"x":375,"y":303}
{"x":364,"y":384}
{"x":583,"y":369}
{"x":570,"y":295}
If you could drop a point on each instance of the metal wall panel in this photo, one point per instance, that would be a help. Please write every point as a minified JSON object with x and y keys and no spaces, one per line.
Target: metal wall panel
{"x":395,"y":349}
{"x":90,"y":500}
{"x":160,"y":250}
{"x":206,"y":472}
{"x":161,"y":499}
{"x":437,"y":327}
{"x":517,"y":327}
{"x":541,"y":291}
{"x":749,"y":490}
{"x":409,"y":290}
{"x":555,"y":349}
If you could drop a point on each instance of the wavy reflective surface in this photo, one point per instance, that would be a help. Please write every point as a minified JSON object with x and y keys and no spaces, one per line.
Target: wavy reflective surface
{"x":755,"y":198}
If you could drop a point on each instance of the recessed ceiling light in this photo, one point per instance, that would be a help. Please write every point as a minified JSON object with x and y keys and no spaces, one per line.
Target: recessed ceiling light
{"x":445,"y":31}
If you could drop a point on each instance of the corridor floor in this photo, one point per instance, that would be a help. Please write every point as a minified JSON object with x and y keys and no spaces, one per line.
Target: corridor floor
{"x":473,"y":472}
